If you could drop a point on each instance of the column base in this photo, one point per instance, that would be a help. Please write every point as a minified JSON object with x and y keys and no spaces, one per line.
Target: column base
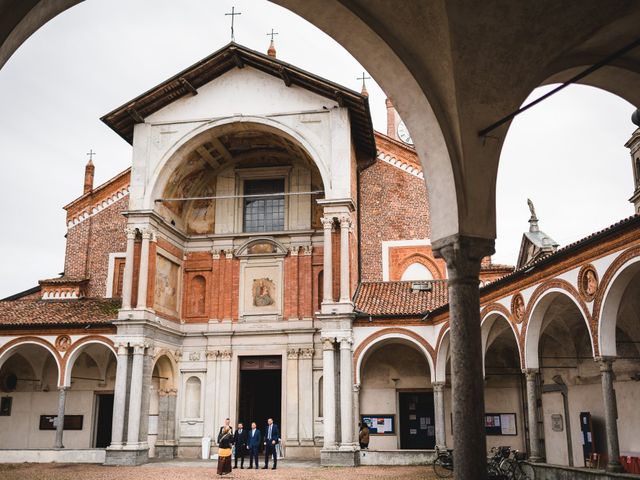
{"x":535,"y":460}
{"x":614,"y":467}
{"x":339,"y":458}
{"x":126,"y":457}
{"x":348,"y":447}
{"x":166,"y":451}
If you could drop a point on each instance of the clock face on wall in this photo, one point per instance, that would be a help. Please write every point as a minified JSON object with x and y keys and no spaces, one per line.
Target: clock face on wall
{"x":403,"y":133}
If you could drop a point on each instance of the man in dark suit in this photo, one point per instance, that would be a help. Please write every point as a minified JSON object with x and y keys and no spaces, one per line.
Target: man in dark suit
{"x":253,"y":441}
{"x":240,"y":442}
{"x":271,"y":439}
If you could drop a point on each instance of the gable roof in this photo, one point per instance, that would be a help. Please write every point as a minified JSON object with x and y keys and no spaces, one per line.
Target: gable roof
{"x":123,"y":118}
{"x":89,"y":311}
{"x":400,"y":298}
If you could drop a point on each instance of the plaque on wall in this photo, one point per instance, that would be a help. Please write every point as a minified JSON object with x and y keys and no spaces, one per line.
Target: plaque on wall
{"x":71,"y":422}
{"x":261,"y":363}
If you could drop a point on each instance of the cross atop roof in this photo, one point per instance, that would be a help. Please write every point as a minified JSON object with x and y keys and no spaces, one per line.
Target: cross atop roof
{"x":232,"y":14}
{"x":272,"y":34}
{"x":91,"y":153}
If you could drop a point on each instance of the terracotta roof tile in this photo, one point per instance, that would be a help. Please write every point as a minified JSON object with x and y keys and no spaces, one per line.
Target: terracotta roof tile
{"x":399,"y":298}
{"x":58,"y":312}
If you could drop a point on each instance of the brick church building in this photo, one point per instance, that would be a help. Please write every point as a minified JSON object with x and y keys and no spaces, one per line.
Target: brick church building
{"x":268,"y":255}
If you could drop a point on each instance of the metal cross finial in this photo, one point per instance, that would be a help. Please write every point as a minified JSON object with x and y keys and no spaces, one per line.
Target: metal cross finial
{"x":363,"y":78}
{"x":272,"y":34}
{"x":91,"y":153}
{"x":232,"y":14}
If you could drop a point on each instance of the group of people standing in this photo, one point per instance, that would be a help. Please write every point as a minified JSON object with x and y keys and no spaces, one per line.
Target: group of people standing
{"x":246,"y":441}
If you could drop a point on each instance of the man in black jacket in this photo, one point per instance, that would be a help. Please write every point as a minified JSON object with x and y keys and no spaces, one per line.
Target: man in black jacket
{"x":271,"y":439}
{"x":240,"y":442}
{"x":227,"y":423}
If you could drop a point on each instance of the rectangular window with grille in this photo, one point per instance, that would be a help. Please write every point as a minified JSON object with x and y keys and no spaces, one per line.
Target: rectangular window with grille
{"x":264,"y":209}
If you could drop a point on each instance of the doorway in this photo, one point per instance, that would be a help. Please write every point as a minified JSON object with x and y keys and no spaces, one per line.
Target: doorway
{"x":260,"y":391}
{"x":104,"y":418}
{"x":417,"y":428}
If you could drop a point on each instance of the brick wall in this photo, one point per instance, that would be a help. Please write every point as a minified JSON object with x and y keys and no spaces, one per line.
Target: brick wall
{"x":393,"y":206}
{"x":90,"y":242}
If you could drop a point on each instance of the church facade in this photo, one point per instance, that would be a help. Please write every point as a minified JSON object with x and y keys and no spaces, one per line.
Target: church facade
{"x":267,"y":255}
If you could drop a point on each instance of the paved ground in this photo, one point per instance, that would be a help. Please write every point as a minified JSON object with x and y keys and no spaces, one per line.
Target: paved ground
{"x":198,"y":470}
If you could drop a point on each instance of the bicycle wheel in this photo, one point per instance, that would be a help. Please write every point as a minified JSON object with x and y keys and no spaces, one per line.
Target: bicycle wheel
{"x":523,"y":471}
{"x":443,"y":466}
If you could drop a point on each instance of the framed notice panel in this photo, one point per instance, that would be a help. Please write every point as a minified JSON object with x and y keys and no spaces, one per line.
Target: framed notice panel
{"x":380,"y":424}
{"x":71,"y":422}
{"x":500,"y":424}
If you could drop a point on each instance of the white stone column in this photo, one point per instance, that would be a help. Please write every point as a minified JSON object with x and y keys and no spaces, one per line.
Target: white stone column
{"x":127,"y":281}
{"x":345,"y":224}
{"x":438,"y":403}
{"x":356,"y":413}
{"x":120,"y":396}
{"x":346,"y":394}
{"x":328,"y":394}
{"x":327,"y":224}
{"x":224,"y":380}
{"x":305,"y":385}
{"x":135,"y":396}
{"x":610,"y":414}
{"x":292,"y":396}
{"x":209,"y":394}
{"x":143,"y":278}
{"x":62,"y":395}
{"x":531,"y":376}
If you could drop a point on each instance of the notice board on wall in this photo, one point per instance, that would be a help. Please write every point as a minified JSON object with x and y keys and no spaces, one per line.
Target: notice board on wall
{"x":380,"y":424}
{"x":500,"y":424}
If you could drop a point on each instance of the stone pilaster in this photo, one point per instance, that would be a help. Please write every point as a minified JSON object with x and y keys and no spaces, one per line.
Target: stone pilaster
{"x":143,"y":277}
{"x":610,"y":414}
{"x":463,"y":256}
{"x":329,"y":393}
{"x":305,"y":385}
{"x":292,"y":396}
{"x":135,"y":396}
{"x":346,"y":394}
{"x":224,"y":379}
{"x":327,"y":272}
{"x":210,"y":414}
{"x":356,"y":413}
{"x":127,"y":281}
{"x":345,"y":225}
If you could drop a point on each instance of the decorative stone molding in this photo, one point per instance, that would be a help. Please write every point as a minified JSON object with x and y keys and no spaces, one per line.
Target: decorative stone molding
{"x":212,"y":354}
{"x":131,"y":233}
{"x":121,"y":348}
{"x":356,"y":388}
{"x":345,"y":342}
{"x":63,"y":342}
{"x":293,"y":250}
{"x":391,"y":160}
{"x":306,"y":353}
{"x":327,"y":343}
{"x":194,"y":356}
{"x":438,"y":386}
{"x":228,"y":254}
{"x":177,"y":354}
{"x":588,"y":282}
{"x":327,"y":223}
{"x":308,"y":249}
{"x":517,"y":308}
{"x":225,"y":354}
{"x":148,"y":233}
{"x":167,"y":392}
{"x":345,"y":221}
{"x":215,"y":253}
{"x":98,"y":208}
{"x":293,"y":353}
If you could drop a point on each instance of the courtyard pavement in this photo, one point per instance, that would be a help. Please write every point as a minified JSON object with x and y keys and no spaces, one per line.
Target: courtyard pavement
{"x":201,"y":470}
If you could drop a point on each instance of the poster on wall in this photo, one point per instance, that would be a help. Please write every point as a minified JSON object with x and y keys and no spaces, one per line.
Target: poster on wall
{"x":500,"y":424}
{"x":380,"y":424}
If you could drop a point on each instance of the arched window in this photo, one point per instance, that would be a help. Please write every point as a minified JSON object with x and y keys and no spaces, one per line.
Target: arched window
{"x":417,"y":271}
{"x":192,"y":398}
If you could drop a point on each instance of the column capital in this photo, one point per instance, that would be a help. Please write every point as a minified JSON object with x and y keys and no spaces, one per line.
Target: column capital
{"x":63,"y":388}
{"x":530,"y":372}
{"x":327,"y":343}
{"x":306,"y":353}
{"x":463,"y":255}
{"x":139,"y":348}
{"x":229,"y":253}
{"x":356,"y":388}
{"x":327,"y":223}
{"x":606,"y":363}
{"x":212,"y":354}
{"x":121,"y":348}
{"x":345,"y":220}
{"x":345,"y":342}
{"x":293,"y":250}
{"x":307,"y":249}
{"x":148,"y":232}
{"x":131,"y":232}
{"x":225,"y":354}
{"x":293,"y":353}
{"x":215,"y":253}
{"x":438,"y":386}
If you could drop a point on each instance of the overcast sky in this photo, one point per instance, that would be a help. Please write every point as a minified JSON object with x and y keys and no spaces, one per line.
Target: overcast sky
{"x":566,"y":154}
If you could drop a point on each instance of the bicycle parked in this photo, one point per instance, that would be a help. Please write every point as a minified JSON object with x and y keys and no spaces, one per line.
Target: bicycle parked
{"x":515,"y":468}
{"x":443,"y":463}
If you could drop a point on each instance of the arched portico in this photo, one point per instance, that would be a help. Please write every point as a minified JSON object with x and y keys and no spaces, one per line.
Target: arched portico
{"x":394,"y":372}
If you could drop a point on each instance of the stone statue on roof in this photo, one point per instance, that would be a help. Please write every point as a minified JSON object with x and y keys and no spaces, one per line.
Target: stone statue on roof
{"x":532,"y":209}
